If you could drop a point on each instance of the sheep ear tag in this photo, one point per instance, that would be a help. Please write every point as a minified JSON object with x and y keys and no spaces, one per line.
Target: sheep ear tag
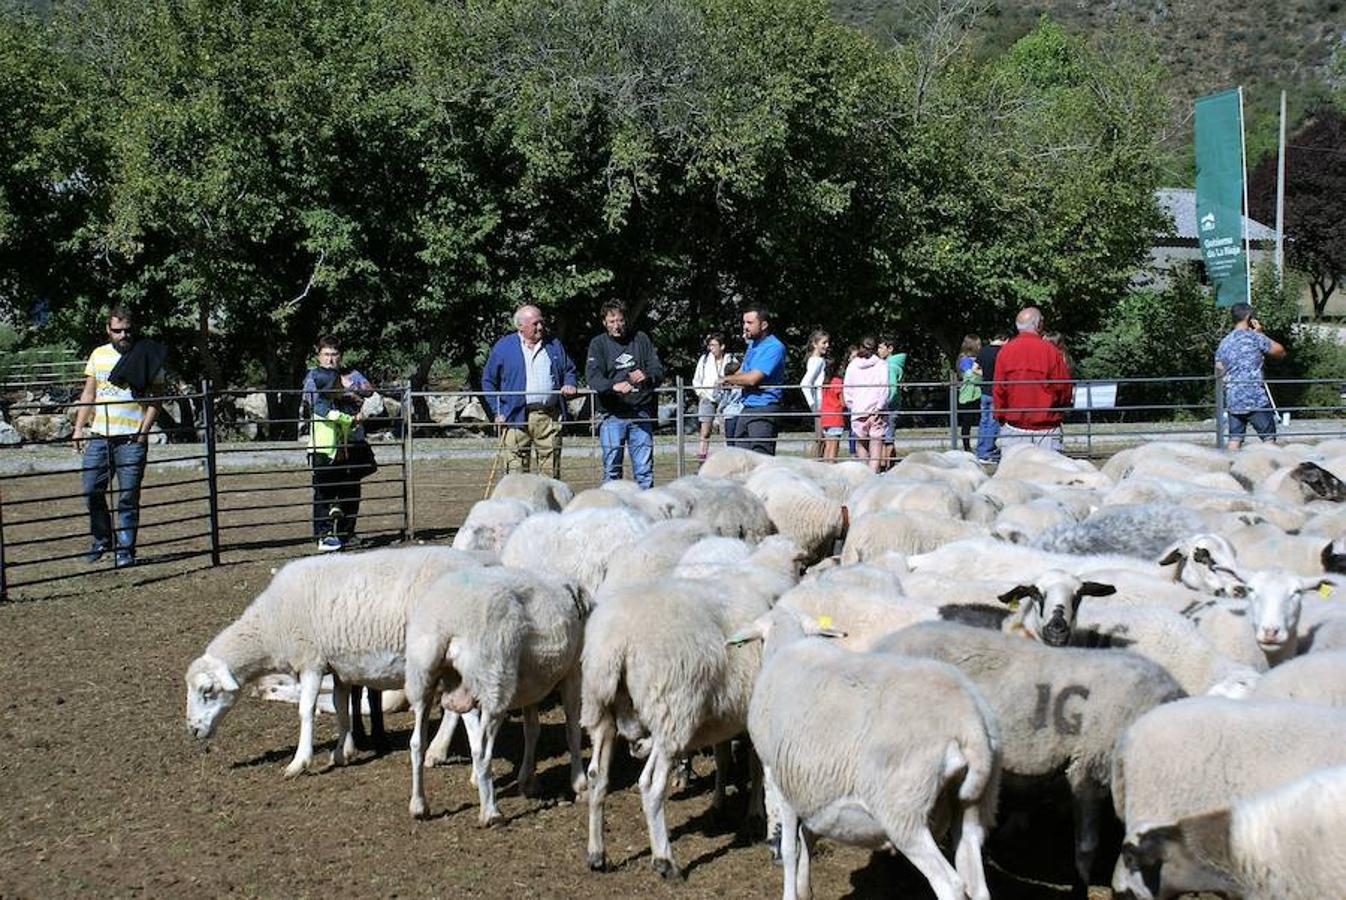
{"x":1013,"y":604}
{"x":824,"y":621}
{"x":1325,"y":590}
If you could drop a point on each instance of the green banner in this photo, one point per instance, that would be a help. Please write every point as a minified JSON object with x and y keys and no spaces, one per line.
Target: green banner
{"x":1219,"y":195}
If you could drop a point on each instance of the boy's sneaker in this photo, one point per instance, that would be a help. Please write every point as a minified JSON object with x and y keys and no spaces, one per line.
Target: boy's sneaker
{"x":125,"y":559}
{"x":95,"y":553}
{"x":330,"y":543}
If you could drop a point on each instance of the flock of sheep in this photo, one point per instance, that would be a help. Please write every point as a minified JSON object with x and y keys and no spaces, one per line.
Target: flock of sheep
{"x":915,"y":657}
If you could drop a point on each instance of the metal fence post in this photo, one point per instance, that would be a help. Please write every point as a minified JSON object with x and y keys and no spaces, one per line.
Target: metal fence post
{"x":408,"y":464}
{"x":212,"y":487}
{"x":953,"y":416}
{"x":4,"y":574}
{"x":1220,"y":442}
{"x":681,"y":420}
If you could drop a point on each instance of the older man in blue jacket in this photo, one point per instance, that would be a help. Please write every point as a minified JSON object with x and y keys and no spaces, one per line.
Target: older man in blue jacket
{"x":526,"y":380}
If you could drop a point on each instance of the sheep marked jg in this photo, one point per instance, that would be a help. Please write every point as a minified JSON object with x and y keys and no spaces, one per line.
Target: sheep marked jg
{"x":494,"y":639}
{"x":345,"y":615}
{"x":1060,"y":711}
{"x":860,"y":748}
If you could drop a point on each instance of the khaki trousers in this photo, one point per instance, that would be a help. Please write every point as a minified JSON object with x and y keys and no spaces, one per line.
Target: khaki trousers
{"x":541,"y":431}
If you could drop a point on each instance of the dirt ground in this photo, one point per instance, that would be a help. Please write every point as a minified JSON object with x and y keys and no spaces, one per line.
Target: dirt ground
{"x":102,"y":791}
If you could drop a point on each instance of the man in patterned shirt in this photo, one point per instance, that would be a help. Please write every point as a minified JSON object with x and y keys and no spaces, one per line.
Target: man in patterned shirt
{"x":112,"y":430}
{"x":1239,"y":359}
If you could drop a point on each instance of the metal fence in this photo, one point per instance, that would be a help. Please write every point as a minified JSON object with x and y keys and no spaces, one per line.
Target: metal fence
{"x":231,"y":477}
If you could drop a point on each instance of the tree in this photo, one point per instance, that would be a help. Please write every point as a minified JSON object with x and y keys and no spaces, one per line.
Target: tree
{"x":1315,"y":182}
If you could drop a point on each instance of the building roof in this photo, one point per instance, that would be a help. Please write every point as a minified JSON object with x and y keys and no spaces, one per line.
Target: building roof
{"x":1180,"y":206}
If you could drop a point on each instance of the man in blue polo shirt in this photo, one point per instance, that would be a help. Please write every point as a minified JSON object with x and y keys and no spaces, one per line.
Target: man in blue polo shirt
{"x":762,"y":377}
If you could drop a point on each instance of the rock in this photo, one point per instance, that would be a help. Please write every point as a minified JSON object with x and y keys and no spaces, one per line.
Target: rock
{"x":253,"y":406}
{"x":473,"y":411}
{"x":8,"y":435}
{"x":43,"y":427}
{"x":443,"y":410}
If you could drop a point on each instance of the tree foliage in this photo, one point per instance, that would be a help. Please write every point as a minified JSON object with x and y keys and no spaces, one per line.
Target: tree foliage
{"x":404,"y":172}
{"x":1315,"y":182}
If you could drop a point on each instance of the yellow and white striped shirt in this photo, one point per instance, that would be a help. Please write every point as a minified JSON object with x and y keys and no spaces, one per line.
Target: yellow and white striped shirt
{"x":122,"y":414}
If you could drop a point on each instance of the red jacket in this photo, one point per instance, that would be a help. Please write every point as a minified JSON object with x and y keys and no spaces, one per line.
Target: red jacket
{"x":832,"y":407}
{"x":1020,"y":398}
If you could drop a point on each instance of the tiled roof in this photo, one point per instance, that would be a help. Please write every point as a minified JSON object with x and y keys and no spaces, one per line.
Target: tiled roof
{"x":1180,"y":205}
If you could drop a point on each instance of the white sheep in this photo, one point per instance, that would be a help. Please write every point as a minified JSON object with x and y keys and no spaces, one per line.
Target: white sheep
{"x":489,"y":524}
{"x":538,"y":491}
{"x":577,"y":544}
{"x":1303,"y":483}
{"x":496,"y":639}
{"x":727,"y":507}
{"x":1028,"y":462}
{"x":1006,"y":492}
{"x":1265,"y":546}
{"x":1275,"y":603}
{"x":1280,"y":844}
{"x":1189,"y":757}
{"x":902,"y":531}
{"x":799,"y":509}
{"x":1195,"y":458}
{"x":657,"y":672}
{"x":1169,"y":639}
{"x":657,"y":553}
{"x":860,"y":747}
{"x":953,"y":467}
{"x":730,"y":462}
{"x":866,"y":602}
{"x":1022,"y":523}
{"x":345,"y":615}
{"x":1313,"y":678}
{"x":1060,"y":711}
{"x":893,"y":493}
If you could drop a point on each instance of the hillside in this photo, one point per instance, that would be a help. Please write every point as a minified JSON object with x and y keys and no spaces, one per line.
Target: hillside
{"x":1205,"y":47}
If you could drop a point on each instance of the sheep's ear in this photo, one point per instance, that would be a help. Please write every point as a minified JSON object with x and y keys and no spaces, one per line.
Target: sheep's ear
{"x":820,"y":627}
{"x":1014,"y":595}
{"x":1323,"y":586}
{"x":1175,"y":554}
{"x":1096,"y":589}
{"x":753,"y":631}
{"x":227,"y":680}
{"x":1333,"y":561}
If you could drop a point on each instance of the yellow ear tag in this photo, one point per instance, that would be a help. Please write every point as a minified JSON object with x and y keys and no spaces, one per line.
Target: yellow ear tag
{"x":824,"y":621}
{"x":1325,"y":590}
{"x":1014,"y":605}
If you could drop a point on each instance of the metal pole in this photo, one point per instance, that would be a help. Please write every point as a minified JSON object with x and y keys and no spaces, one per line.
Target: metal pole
{"x":1088,"y":420}
{"x":212,"y":488}
{"x":1280,"y":203}
{"x":408,"y":464}
{"x":4,"y":575}
{"x":681,"y":423}
{"x":953,"y":416}
{"x":1247,"y":246}
{"x":1219,"y":412}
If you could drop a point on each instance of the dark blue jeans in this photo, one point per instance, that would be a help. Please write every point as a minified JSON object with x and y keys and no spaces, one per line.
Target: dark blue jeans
{"x":987,"y":431}
{"x":638,"y":438}
{"x":102,"y":458}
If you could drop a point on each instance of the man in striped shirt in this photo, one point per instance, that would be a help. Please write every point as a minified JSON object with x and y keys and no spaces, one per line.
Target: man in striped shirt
{"x":112,"y":430}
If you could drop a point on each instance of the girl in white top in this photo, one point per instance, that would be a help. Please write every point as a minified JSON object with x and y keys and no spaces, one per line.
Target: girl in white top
{"x":814,"y":376}
{"x":709,"y":372}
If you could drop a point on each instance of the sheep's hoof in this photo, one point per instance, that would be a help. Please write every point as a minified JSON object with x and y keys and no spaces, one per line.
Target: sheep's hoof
{"x":598,"y":862}
{"x":434,"y":760}
{"x":666,"y":869}
{"x":419,"y":810}
{"x":486,"y":820}
{"x":531,"y":788}
{"x":298,"y":767}
{"x":773,"y":844}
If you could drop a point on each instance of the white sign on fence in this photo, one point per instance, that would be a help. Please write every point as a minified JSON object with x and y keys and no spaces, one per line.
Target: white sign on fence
{"x":1096,"y":395}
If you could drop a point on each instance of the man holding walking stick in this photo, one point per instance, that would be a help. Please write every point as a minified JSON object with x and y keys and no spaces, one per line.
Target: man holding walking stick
{"x":1239,"y":360}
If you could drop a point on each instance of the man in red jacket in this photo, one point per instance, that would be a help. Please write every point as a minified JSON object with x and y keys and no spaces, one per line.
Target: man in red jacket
{"x":1032,"y":382}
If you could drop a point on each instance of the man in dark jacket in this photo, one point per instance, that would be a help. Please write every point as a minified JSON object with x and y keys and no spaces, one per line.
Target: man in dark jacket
{"x":527,"y":380}
{"x":624,"y":369}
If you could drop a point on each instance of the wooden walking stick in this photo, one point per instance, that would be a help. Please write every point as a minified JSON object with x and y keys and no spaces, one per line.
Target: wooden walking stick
{"x":495,"y":462}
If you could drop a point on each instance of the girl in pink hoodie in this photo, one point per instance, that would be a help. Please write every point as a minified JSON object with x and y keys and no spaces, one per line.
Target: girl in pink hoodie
{"x":866,"y":393}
